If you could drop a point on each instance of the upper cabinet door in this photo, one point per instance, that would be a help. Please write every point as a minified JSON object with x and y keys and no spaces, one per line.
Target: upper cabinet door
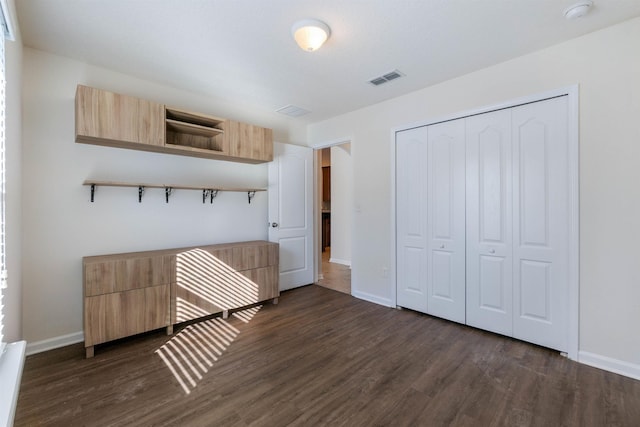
{"x":108,"y":116}
{"x":489,"y":224}
{"x":248,"y":141}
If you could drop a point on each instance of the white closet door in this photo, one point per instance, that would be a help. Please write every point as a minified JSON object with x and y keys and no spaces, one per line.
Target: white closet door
{"x":489,"y":233}
{"x":540,"y":215}
{"x":446,"y":220}
{"x":411,"y":215}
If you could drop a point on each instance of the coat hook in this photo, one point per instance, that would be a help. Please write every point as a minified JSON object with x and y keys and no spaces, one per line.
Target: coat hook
{"x":167,"y":193}
{"x":205,"y":194}
{"x":140,"y":193}
{"x":251,"y":195}
{"x":213,"y":194}
{"x":93,"y":191}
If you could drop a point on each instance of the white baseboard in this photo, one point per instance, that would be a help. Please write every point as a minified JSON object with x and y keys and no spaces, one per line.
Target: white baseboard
{"x":56,"y":342}
{"x":372,"y":298}
{"x":631,"y":370}
{"x":340,"y":261}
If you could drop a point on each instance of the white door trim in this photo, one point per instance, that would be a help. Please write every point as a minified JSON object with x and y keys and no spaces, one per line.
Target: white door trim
{"x":572,"y":92}
{"x":317,"y":226}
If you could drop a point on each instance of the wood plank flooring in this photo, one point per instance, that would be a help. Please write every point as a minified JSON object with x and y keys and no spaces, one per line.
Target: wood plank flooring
{"x":335,"y":276}
{"x":321,"y":357}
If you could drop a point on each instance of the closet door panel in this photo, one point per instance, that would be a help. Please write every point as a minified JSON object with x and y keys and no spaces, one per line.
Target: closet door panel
{"x":446,"y":220}
{"x":491,"y":283}
{"x":489,"y":226}
{"x":411,"y":219}
{"x":541,"y":208}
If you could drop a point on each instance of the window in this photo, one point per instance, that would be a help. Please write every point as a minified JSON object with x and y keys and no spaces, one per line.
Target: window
{"x":4,"y":23}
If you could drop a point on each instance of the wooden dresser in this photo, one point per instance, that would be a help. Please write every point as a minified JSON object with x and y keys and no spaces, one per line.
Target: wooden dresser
{"x":131,"y":293}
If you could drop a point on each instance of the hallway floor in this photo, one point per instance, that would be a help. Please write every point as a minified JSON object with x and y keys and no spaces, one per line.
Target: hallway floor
{"x":335,"y":276}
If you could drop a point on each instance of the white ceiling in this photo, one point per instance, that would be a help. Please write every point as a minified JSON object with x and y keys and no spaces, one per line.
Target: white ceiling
{"x":243,"y":49}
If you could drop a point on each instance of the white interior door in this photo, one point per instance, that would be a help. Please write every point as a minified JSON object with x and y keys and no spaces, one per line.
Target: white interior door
{"x":446,"y":220}
{"x":489,"y":224}
{"x":541,"y":225}
{"x":411,"y":215}
{"x":291,"y":212}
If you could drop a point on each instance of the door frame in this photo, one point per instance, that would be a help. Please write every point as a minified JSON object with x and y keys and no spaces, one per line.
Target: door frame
{"x":317,"y":218}
{"x":572,"y":93}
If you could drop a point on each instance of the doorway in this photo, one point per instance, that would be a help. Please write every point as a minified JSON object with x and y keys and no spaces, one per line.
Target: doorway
{"x":334,"y":199}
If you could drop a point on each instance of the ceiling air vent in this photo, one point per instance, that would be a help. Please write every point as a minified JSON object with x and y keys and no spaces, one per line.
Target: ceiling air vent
{"x":292,"y":111}
{"x":392,"y":75}
{"x":378,"y":81}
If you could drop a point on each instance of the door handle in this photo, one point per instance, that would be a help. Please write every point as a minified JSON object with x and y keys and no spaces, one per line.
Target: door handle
{"x":274,"y":224}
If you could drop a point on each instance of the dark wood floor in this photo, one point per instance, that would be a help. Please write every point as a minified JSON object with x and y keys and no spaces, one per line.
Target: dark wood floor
{"x":335,"y":276}
{"x":321,"y":357}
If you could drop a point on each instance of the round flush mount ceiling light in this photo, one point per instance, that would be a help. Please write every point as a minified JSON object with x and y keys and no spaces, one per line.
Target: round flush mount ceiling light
{"x":578,"y":10}
{"x":310,"y":34}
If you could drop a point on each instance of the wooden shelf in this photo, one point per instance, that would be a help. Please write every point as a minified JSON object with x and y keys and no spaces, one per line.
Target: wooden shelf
{"x":192,"y":129}
{"x":208,"y":192}
{"x":189,"y":149}
{"x":195,"y":118}
{"x":193,"y":133}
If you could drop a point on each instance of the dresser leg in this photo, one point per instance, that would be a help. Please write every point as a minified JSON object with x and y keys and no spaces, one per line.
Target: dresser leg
{"x":89,"y":352}
{"x":170,"y":330}
{"x":225,"y":314}
{"x":275,"y":300}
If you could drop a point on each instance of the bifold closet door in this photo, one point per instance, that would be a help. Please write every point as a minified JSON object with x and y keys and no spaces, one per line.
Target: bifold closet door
{"x":541,"y":222}
{"x":517,"y":222}
{"x":411,"y":219}
{"x":430,"y":218}
{"x":446,"y":220}
{"x":489,"y":225}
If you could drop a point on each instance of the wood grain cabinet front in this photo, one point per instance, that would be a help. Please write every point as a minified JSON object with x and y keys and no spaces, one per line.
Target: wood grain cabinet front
{"x":248,"y":141}
{"x":124,"y":295}
{"x":131,"y":293}
{"x":218,"y":278}
{"x":109,"y":118}
{"x":112,"y":119}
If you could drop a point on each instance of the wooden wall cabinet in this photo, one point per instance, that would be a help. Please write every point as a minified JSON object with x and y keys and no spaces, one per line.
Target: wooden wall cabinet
{"x":248,"y":141}
{"x":130,"y":293}
{"x":115,"y":119}
{"x":110,"y":119}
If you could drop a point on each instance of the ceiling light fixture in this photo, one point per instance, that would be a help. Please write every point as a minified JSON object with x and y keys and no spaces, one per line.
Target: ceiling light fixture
{"x":310,"y":34}
{"x":578,"y":10}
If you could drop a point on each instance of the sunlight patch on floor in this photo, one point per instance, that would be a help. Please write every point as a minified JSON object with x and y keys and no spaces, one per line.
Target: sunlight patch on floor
{"x":191,"y":353}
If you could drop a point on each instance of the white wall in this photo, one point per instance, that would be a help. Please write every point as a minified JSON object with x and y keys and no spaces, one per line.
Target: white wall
{"x":606,"y":65}
{"x":13,"y":198}
{"x":341,"y":203}
{"x":60,"y":225}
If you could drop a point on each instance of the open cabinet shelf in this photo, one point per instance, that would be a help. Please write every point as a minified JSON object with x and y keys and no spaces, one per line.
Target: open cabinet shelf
{"x":194,"y":132}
